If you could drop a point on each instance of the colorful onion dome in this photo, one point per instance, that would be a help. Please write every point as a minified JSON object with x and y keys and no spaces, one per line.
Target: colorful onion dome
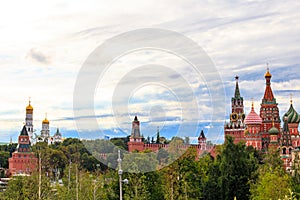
{"x":292,"y":115}
{"x":252,"y":117}
{"x":273,"y":131}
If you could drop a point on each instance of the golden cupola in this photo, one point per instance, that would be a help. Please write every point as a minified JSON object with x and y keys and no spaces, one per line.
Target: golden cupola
{"x":29,"y":108}
{"x":268,"y":74}
{"x":45,"y":121}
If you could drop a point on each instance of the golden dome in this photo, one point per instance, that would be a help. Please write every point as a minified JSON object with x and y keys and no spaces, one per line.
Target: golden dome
{"x":29,"y":107}
{"x":45,"y":121}
{"x":268,"y":74}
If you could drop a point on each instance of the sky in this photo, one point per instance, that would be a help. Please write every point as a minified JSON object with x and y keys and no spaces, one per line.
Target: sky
{"x":44,"y":45}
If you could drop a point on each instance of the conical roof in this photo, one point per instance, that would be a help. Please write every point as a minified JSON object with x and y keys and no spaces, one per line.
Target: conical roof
{"x":24,"y":131}
{"x":201,"y":136}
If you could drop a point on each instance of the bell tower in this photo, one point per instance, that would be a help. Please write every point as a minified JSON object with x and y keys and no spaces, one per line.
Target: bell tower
{"x":29,"y":121}
{"x":45,"y":133}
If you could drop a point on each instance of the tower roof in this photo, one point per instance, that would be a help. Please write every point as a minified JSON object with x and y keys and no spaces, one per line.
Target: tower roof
{"x":237,"y":89}
{"x":202,"y":136}
{"x":268,"y":74}
{"x":253,"y":117}
{"x":273,"y":131}
{"x":45,"y":121}
{"x":29,"y":107}
{"x":292,"y":115}
{"x":268,"y":96}
{"x":24,"y":131}
{"x":57,"y":133}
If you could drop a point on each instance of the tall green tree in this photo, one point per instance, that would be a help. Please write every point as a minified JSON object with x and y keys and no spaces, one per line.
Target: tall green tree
{"x":273,"y":181}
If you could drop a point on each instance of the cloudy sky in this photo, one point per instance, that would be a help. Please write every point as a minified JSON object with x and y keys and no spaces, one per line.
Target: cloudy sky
{"x":45,"y":44}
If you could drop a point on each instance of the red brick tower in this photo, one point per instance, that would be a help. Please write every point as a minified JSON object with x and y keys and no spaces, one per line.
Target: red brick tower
{"x":202,"y":141}
{"x":235,"y":128}
{"x":135,"y":140}
{"x":253,"y":129}
{"x":268,"y":112}
{"x":23,"y":161}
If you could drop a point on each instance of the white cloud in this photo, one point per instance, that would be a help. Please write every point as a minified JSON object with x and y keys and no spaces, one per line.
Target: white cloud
{"x":239,"y":36}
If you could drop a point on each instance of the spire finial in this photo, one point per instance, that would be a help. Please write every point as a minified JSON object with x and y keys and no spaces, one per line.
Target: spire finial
{"x":45,"y":115}
{"x":29,"y":99}
{"x":252,"y":103}
{"x":291,"y":96}
{"x":268,"y":69}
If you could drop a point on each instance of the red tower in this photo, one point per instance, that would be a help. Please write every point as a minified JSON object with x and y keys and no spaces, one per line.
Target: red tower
{"x":23,"y":161}
{"x":135,"y":140}
{"x":235,"y":128}
{"x":202,"y":141}
{"x":269,"y":112}
{"x":253,"y":129}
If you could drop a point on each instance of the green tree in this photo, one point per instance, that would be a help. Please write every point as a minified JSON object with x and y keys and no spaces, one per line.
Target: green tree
{"x":4,"y":155}
{"x":273,"y":182}
{"x":26,"y":187}
{"x":229,"y":176}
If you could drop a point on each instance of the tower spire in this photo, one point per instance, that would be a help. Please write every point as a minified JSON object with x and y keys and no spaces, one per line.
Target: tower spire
{"x":268,"y":96}
{"x":291,"y":96}
{"x":237,"y":89}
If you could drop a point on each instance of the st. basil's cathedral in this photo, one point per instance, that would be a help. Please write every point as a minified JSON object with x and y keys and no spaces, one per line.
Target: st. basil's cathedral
{"x":264,"y":131}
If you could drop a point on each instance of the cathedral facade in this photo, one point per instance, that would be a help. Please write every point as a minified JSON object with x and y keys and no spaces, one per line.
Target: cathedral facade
{"x":263,"y":131}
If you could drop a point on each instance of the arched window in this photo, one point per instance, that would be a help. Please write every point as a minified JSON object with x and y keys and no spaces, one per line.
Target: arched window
{"x":284,"y":151}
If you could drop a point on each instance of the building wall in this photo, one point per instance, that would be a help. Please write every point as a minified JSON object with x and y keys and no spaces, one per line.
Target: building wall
{"x":22,"y":163}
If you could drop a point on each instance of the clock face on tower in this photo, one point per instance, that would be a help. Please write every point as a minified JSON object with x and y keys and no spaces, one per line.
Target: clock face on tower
{"x":234,"y":117}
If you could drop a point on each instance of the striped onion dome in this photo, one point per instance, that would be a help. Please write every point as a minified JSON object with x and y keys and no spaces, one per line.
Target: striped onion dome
{"x":292,"y":115}
{"x":252,"y":117}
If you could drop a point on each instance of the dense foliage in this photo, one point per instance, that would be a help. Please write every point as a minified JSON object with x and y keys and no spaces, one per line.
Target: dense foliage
{"x":237,"y":172}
